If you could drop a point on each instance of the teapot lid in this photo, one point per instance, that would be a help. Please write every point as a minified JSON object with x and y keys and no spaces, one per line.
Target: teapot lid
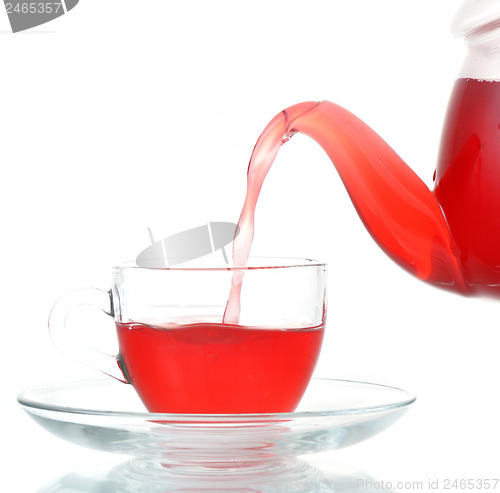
{"x":476,"y":17}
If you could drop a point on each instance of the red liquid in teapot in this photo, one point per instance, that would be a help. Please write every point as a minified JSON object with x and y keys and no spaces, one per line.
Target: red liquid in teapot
{"x":468,"y":180}
{"x":217,"y":368}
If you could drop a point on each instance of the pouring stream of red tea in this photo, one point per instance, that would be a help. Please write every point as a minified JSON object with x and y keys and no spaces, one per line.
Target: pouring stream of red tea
{"x":394,"y":204}
{"x":448,"y":238}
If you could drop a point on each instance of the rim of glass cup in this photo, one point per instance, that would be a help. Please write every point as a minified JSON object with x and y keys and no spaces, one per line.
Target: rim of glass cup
{"x":406,"y":399}
{"x":254,"y":263}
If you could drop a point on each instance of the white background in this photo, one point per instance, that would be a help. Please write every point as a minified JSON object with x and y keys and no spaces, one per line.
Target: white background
{"x":122,"y":115}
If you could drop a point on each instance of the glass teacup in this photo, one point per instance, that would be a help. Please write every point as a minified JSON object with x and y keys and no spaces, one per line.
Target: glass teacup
{"x":179,"y":355}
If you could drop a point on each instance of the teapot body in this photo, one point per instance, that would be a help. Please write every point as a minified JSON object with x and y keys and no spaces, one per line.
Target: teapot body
{"x":467,"y":181}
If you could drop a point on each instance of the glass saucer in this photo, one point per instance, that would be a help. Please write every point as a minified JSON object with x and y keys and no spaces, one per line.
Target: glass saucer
{"x":107,"y":415}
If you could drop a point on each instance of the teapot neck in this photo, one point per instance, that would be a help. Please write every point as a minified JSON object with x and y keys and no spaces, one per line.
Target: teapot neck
{"x":482,"y":61}
{"x":478,"y":22}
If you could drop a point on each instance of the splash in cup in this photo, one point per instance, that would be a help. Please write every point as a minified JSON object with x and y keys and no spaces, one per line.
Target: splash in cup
{"x":179,"y":355}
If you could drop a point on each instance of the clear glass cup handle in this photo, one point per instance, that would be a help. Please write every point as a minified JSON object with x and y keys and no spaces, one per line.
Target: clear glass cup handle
{"x":99,"y":298}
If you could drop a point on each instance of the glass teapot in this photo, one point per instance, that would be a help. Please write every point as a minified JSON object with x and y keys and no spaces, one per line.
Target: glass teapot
{"x":449,"y":237}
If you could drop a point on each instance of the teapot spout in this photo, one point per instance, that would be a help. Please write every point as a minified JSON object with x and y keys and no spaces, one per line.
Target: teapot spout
{"x":397,"y":208}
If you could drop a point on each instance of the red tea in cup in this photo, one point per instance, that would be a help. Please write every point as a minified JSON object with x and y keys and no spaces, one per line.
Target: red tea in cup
{"x":218,"y":368}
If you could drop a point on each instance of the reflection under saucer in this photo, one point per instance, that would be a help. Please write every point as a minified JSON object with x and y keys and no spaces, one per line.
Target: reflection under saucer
{"x":300,"y":476}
